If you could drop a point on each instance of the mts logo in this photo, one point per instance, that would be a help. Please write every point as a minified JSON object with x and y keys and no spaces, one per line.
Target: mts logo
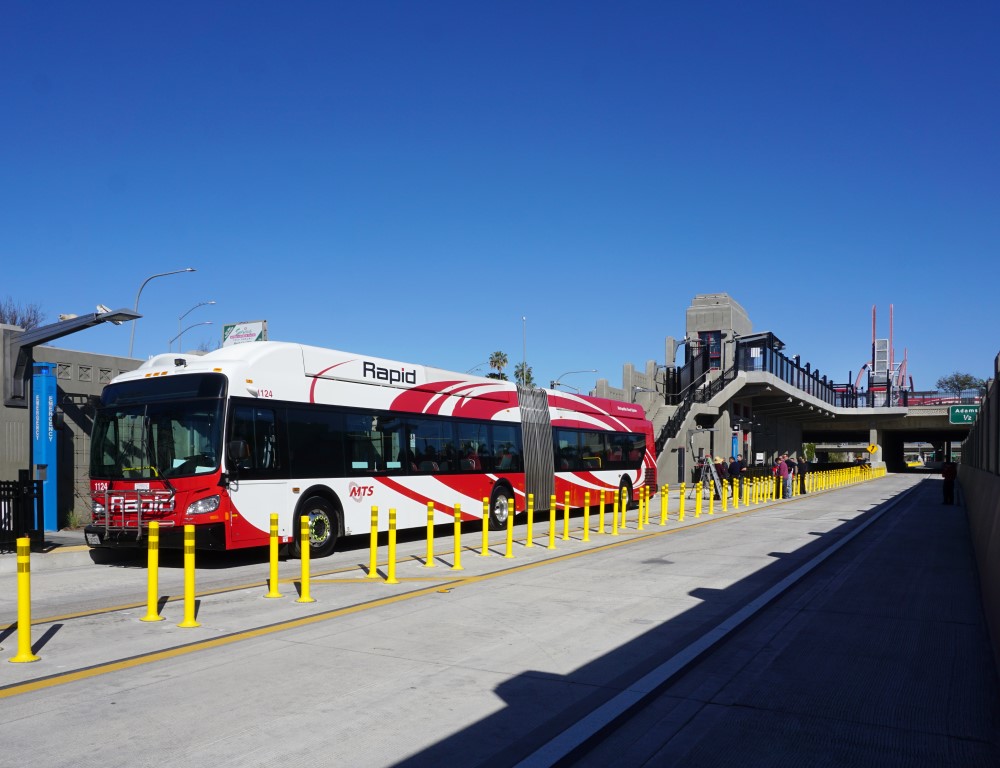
{"x":359,"y":492}
{"x":402,"y":376}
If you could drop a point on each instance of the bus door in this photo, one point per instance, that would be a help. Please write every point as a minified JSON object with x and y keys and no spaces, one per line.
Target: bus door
{"x":259,"y":484}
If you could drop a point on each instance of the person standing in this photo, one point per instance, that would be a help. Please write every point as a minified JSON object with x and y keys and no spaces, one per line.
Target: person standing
{"x":790,"y":477}
{"x":802,"y":467}
{"x":720,"y":471}
{"x":735,"y":470}
{"x":949,"y":472}
{"x":781,"y":470}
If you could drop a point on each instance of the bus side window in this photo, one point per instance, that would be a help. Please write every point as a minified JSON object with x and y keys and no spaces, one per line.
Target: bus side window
{"x":362,"y":456}
{"x":592,"y":450}
{"x":506,"y":448}
{"x":257,"y":426}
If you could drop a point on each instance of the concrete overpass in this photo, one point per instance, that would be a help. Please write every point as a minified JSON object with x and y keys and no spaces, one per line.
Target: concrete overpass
{"x":737,"y":392}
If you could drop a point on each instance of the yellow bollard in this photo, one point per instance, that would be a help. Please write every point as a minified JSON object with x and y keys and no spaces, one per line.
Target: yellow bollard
{"x":306,"y":554}
{"x":711,"y":497}
{"x":565,"y":533}
{"x":373,"y":546}
{"x":529,"y":540}
{"x":272,"y":581}
{"x":429,"y":562}
{"x":680,"y":512}
{"x":153,"y":573}
{"x":390,"y":575}
{"x":600,"y":514}
{"x":24,"y":653}
{"x":614,"y":516}
{"x":511,"y":511}
{"x":698,"y":492}
{"x":624,"y":509}
{"x":457,"y":565}
{"x":486,"y":528}
{"x":737,"y":488}
{"x":189,"y":594}
{"x":725,"y":495}
{"x":642,"y":513}
{"x":664,"y":503}
{"x":586,"y":515}
{"x":552,"y":522}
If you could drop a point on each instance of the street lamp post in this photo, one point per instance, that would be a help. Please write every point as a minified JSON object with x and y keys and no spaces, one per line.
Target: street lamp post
{"x":524,"y":350}
{"x":179,"y":331}
{"x":558,"y":380}
{"x":131,"y":340}
{"x":636,"y":389}
{"x":175,"y":338}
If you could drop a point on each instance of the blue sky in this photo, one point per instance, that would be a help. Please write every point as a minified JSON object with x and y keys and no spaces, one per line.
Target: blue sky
{"x":410,"y":179}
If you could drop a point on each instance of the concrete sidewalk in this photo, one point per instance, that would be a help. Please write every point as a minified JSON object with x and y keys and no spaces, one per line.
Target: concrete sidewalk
{"x":879,"y":658}
{"x":65,"y":548}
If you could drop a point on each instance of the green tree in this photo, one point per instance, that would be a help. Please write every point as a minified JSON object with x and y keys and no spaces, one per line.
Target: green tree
{"x":26,"y":316}
{"x":523,"y":375}
{"x":498,"y":361}
{"x":957,"y":382}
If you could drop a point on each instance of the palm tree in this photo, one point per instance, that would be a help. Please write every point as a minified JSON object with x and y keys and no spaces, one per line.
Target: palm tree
{"x":523,"y":375}
{"x":498,"y":361}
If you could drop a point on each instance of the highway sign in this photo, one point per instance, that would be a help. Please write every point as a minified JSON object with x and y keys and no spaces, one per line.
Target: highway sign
{"x":962,"y":414}
{"x":873,"y":448}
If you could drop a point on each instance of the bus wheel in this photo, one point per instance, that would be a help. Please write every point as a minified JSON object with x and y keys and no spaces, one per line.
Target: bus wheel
{"x":625,"y":486}
{"x":323,"y":527}
{"x":501,"y":504}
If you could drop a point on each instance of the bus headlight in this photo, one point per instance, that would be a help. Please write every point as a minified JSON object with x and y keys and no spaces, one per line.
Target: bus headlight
{"x":97,"y":509}
{"x":200,"y":507}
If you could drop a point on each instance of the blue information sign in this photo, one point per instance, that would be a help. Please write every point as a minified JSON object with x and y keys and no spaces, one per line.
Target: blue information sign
{"x":44,"y":443}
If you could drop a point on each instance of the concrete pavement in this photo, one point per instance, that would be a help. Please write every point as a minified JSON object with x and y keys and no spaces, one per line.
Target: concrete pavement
{"x":476,"y":667}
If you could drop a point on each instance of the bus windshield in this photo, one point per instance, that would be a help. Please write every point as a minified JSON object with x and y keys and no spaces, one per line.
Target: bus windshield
{"x":159,"y":428}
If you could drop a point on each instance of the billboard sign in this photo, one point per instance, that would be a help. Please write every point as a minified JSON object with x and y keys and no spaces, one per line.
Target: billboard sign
{"x":240,"y":333}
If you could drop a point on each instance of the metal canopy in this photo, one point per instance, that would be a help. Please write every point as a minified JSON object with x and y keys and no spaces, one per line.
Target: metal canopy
{"x":18,"y":346}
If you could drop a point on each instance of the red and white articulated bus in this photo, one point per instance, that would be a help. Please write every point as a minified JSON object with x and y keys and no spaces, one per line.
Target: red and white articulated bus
{"x":223,"y":440}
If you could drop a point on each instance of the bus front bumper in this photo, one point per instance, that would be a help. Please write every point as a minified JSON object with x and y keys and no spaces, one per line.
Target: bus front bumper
{"x":211,"y":536}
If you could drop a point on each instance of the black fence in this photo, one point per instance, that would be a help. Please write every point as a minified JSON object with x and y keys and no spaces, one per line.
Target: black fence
{"x":20,"y":511}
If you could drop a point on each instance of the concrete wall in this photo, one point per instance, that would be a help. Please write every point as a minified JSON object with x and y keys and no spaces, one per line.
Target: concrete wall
{"x":80,"y":378}
{"x":716,"y":312}
{"x":981,"y":490}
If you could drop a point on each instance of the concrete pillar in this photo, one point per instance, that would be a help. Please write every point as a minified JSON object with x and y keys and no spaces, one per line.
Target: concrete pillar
{"x":875,"y":438}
